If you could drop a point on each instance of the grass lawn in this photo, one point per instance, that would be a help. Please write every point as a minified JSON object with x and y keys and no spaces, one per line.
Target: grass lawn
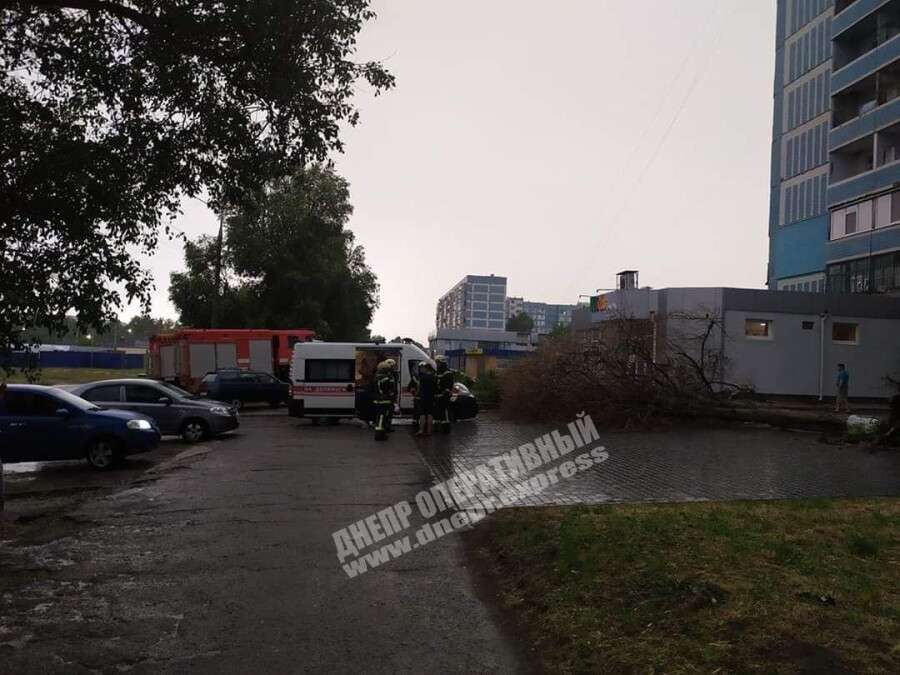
{"x":768,"y":587}
{"x":74,"y":375}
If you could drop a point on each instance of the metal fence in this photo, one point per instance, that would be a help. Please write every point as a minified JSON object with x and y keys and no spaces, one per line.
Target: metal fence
{"x":108,"y":360}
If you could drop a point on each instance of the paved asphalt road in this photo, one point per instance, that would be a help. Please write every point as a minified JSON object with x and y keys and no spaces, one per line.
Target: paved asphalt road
{"x":221,"y":559}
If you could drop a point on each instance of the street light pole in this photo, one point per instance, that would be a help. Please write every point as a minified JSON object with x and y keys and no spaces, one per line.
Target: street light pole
{"x":214,"y":313}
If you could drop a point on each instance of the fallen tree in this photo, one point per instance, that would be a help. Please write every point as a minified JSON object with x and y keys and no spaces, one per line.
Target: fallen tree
{"x":624,"y":373}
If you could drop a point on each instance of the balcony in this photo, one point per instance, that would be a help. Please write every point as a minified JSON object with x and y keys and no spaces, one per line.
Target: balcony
{"x":841,"y":5}
{"x":868,"y":34}
{"x":887,"y":146}
{"x":853,"y":159}
{"x":871,"y":94}
{"x":855,"y":101}
{"x":848,"y":14}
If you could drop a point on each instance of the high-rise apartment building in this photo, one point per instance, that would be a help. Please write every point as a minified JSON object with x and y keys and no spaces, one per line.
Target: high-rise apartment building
{"x":475,"y":302}
{"x":546,"y":316}
{"x":835,"y":195}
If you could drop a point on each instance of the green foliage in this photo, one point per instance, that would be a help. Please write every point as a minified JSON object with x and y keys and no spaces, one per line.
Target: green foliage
{"x":113,"y":112}
{"x":288,"y":261}
{"x":487,"y":388}
{"x":559,"y":331}
{"x":520,"y":323}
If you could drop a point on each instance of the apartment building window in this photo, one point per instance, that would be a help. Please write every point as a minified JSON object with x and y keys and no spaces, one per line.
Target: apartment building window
{"x":846,"y":333}
{"x":824,"y":83}
{"x":883,"y":211}
{"x":758,"y":329}
{"x":886,"y":272}
{"x":850,"y":221}
{"x":788,"y":157}
{"x":850,"y":277}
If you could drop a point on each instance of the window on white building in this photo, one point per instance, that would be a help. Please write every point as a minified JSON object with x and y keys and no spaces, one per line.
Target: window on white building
{"x":847,"y":333}
{"x":758,"y":329}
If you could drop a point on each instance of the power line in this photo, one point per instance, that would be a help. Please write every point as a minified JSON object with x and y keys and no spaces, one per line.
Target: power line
{"x":611,"y":230}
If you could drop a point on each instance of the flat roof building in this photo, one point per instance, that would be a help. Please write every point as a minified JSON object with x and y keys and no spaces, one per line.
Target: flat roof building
{"x":475,"y":302}
{"x":773,"y":343}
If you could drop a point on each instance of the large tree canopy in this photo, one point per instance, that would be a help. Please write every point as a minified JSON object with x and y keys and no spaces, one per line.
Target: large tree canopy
{"x":113,"y":111}
{"x":289,"y":261}
{"x":521,"y":323}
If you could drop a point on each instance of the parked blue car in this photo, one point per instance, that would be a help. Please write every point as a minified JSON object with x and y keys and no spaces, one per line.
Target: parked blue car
{"x":40,"y":424}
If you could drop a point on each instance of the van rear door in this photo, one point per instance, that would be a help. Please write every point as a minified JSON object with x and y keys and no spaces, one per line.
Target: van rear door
{"x":367,"y":360}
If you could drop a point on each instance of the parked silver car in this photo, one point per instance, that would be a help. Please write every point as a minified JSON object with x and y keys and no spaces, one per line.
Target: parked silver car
{"x":176,"y":411}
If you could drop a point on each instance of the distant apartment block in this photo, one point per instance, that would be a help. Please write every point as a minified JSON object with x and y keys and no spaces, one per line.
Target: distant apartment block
{"x":475,"y":302}
{"x":834,"y":220}
{"x":546,"y":316}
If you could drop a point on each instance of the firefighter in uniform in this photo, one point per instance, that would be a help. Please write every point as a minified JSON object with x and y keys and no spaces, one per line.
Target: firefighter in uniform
{"x":385,"y":396}
{"x":415,"y":390}
{"x":443,"y":391}
{"x":395,"y":374}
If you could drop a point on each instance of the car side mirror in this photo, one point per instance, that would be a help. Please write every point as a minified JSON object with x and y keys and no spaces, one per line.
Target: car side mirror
{"x":63,"y":412}
{"x":165,"y":400}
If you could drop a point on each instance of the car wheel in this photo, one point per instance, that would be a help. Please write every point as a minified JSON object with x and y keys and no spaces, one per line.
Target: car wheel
{"x":237,"y":404}
{"x":103,"y":454}
{"x":194,"y":431}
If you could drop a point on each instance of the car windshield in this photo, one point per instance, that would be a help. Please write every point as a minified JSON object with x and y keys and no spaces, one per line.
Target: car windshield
{"x":75,"y":401}
{"x":177,"y":391}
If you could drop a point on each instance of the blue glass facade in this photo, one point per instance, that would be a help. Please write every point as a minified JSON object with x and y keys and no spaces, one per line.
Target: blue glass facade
{"x":798,"y":220}
{"x":835,"y":191}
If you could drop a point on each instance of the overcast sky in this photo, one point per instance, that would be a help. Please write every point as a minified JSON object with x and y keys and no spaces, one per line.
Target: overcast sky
{"x":555,"y":144}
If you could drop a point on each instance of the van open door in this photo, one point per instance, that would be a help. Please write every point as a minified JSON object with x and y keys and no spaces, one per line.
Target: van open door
{"x":367,"y":360}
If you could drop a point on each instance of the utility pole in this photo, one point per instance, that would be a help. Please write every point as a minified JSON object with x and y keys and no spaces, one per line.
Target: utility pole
{"x":217,"y":293}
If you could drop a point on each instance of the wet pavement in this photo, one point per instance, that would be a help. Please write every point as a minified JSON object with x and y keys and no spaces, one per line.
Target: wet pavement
{"x":678,"y":465}
{"x":38,"y":489}
{"x":220,"y":558}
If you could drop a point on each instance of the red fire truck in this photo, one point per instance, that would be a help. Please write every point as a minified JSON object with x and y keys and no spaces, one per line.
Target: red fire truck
{"x":185,"y":356}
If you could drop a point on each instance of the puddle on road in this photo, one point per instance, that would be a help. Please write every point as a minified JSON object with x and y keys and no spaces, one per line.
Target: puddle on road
{"x":34,"y":467}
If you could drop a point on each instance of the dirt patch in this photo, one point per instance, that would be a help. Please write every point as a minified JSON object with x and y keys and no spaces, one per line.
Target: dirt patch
{"x":804,"y":658}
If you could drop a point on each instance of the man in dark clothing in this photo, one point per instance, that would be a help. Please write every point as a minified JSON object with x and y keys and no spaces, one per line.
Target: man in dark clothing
{"x":426,"y":387}
{"x":443,"y":391}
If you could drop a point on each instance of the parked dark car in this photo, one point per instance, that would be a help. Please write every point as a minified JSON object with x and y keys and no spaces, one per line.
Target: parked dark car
{"x":176,"y":411}
{"x":244,"y":386}
{"x":40,"y":424}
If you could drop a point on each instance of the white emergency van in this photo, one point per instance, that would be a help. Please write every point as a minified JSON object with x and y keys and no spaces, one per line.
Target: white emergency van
{"x":332,"y":380}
